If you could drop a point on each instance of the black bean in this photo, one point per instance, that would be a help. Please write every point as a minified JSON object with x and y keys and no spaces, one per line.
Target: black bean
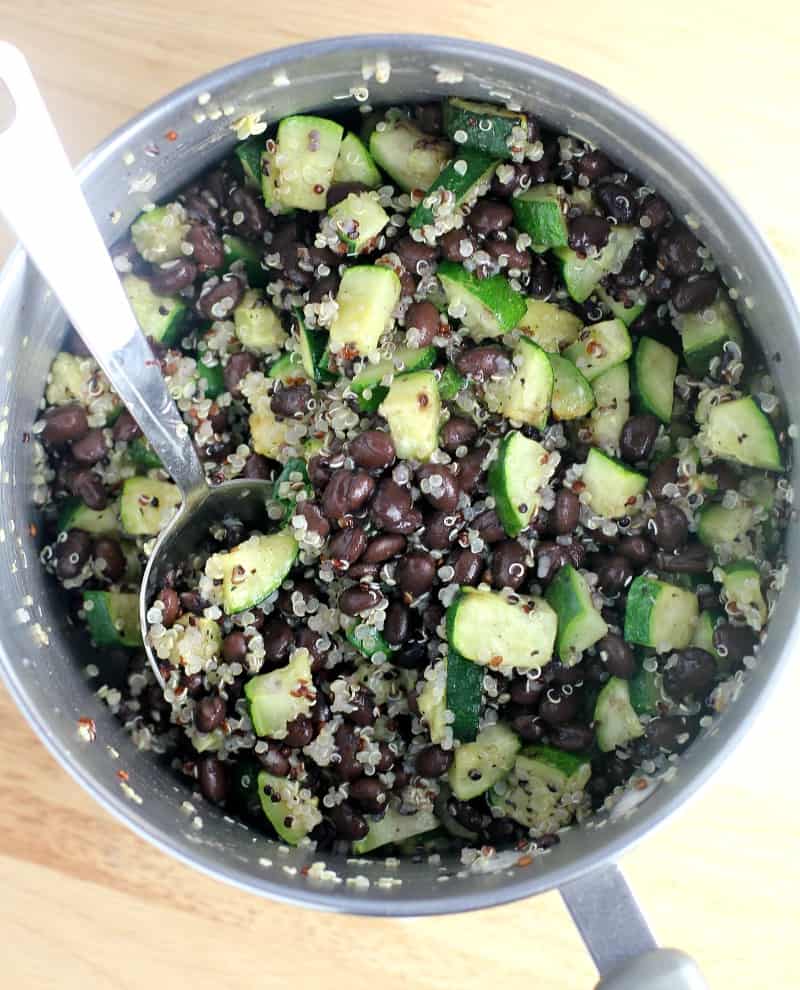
{"x":364,"y":572}
{"x":734,"y":643}
{"x":209,"y":713}
{"x":208,"y":252}
{"x":694,"y":293}
{"x":663,"y":474}
{"x":432,"y":618}
{"x":473,"y":816}
{"x":614,"y":573}
{"x":588,"y":234}
{"x":440,"y":529}
{"x":373,"y":450}
{"x":593,"y":165}
{"x":239,"y":365}
{"x":307,"y":591}
{"x":212,"y":776}
{"x":526,"y":691}
{"x":637,"y":549}
{"x":563,"y":674}
{"x":358,"y":599}
{"x":520,"y":178}
{"x":508,"y":565}
{"x":110,"y":552}
{"x":424,"y":318}
{"x":669,"y":527}
{"x":299,"y":732}
{"x":566,"y":512}
{"x":125,"y":428}
{"x":315,"y":521}
{"x":370,"y":793}
{"x":412,"y":656}
{"x":692,"y":559}
{"x":90,"y":449}
{"x":541,"y":281}
{"x":328,"y":285}
{"x":528,"y":726}
{"x":72,"y":553}
{"x":347,"y":746}
{"x":417,"y":258}
{"x":551,"y":557}
{"x":291,"y":401}
{"x":451,"y":243}
{"x":192,"y":602}
{"x":506,"y":253}
{"x":489,"y":527}
{"x":416,"y":573}
{"x":391,"y":509}
{"x":433,"y":761}
{"x":397,"y":627}
{"x":654,"y":213}
{"x":429,"y":118}
{"x":198,"y":208}
{"x":618,"y":201}
{"x":727,"y":478}
{"x":173,"y":276}
{"x":440,"y":488}
{"x":692,"y":674}
{"x":319,"y":470}
{"x":278,"y":640}
{"x":87,"y":485}
{"x":256,"y":466}
{"x":677,"y":252}
{"x":664,"y":732}
{"x":255,"y":218}
{"x":638,"y":438}
{"x":65,"y":424}
{"x":347,"y":822}
{"x":484,"y":362}
{"x":234,"y":647}
{"x":308,"y":639}
{"x":365,"y":711}
{"x":218,"y":301}
{"x":387,"y":759}
{"x":275,"y":760}
{"x":339,"y":191}
{"x":346,"y":492}
{"x":172,"y":606}
{"x":470,"y":470}
{"x":467,"y":567}
{"x":571,"y":737}
{"x":618,"y":656}
{"x":489,"y":216}
{"x":559,"y":705}
{"x":383,"y":548}
{"x":347,"y":546}
{"x":658,"y":288}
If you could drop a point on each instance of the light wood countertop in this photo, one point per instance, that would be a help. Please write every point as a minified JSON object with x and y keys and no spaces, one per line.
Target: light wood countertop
{"x":86,"y":903}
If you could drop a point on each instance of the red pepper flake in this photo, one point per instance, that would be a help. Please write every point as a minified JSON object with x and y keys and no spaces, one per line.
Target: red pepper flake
{"x":303,"y":691}
{"x":319,"y":189}
{"x":487,"y":850}
{"x":171,"y":135}
{"x":122,"y":774}
{"x":521,"y":845}
{"x":641,"y":784}
{"x":305,"y":870}
{"x":88,"y":728}
{"x":349,"y":352}
{"x":631,"y":500}
{"x":578,"y":486}
{"x":33,"y":529}
{"x":595,"y":348}
{"x":496,"y":661}
{"x":26,"y":437}
{"x":525,"y":861}
{"x":422,"y":400}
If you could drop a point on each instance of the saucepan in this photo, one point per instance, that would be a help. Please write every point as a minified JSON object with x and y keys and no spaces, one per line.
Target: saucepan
{"x":42,"y":657}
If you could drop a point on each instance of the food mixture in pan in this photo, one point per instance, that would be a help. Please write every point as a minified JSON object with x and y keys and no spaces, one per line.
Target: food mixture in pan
{"x":528,"y":483}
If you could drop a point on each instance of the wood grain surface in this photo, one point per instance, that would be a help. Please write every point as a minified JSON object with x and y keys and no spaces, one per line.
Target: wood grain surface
{"x":85,"y":903}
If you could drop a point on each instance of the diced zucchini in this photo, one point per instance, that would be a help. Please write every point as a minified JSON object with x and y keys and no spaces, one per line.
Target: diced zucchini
{"x":249,"y":154}
{"x":354,"y":163}
{"x":210,"y":379}
{"x":432,"y":702}
{"x":645,"y":691}
{"x":655,"y":367}
{"x":599,"y":347}
{"x":522,"y":468}
{"x":580,"y":625}
{"x":612,"y":486}
{"x":541,"y":213}
{"x":292,"y":480}
{"x":618,"y":309}
{"x":76,"y":514}
{"x":659,"y":615}
{"x":551,"y":327}
{"x":479,"y":765}
{"x":615,"y":720}
{"x":450,"y":383}
{"x":368,"y":386}
{"x":412,"y":409}
{"x":489,"y":307}
{"x":394,"y":827}
{"x":305,"y":159}
{"x":200,"y":639}
{"x":484,"y":127}
{"x":158,"y":235}
{"x":741,"y":587}
{"x":258,"y":327}
{"x":147,"y":505}
{"x":581,"y":275}
{"x":268,"y":434}
{"x":525,"y":397}
{"x":544,"y":788}
{"x":411,"y":157}
{"x":718,"y":526}
{"x":466,"y":177}
{"x":464,"y":694}
{"x":278,"y":697}
{"x":238,"y":249}
{"x":254,"y":569}
{"x":142,"y":454}
{"x":358,"y":220}
{"x":288,"y":369}
{"x":705,"y":333}
{"x":573,"y":396}
{"x":496,"y":630}
{"x":269,"y":183}
{"x":366,"y":300}
{"x":314,"y":350}
{"x":367,"y":643}
{"x":112,"y":618}
{"x":613,"y":408}
{"x":159,"y":317}
{"x":739,"y":431}
{"x":289,"y":806}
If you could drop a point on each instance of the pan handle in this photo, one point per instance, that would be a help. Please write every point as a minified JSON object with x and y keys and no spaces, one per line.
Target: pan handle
{"x":619,"y":939}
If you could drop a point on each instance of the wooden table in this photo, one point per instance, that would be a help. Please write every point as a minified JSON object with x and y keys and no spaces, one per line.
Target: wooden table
{"x":86,"y":904}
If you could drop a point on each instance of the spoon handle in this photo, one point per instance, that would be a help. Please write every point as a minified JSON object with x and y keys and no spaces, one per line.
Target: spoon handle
{"x":43,"y":203}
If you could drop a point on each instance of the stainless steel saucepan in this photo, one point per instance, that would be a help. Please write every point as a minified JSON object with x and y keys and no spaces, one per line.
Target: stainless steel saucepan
{"x":41,"y":655}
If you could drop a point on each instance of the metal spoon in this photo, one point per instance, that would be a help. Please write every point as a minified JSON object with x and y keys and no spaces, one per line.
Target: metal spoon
{"x":42,"y":201}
